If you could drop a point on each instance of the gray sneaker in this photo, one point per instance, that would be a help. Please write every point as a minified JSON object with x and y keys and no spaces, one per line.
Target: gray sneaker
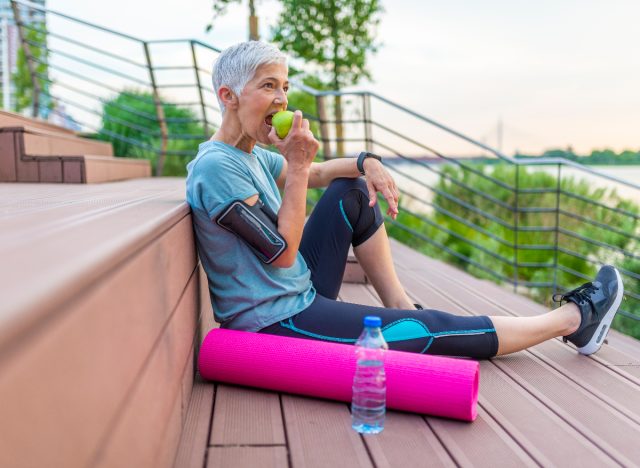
{"x":598,"y":302}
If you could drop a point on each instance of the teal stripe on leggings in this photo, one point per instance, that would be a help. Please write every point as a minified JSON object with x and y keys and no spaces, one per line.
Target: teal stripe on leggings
{"x":344,"y":215}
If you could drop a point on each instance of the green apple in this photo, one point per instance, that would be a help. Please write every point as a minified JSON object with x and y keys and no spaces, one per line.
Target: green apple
{"x":282,"y":121}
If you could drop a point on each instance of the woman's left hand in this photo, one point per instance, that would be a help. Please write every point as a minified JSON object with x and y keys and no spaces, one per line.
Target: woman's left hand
{"x":379,"y":180}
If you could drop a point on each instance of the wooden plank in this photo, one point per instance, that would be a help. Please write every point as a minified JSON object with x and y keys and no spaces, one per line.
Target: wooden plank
{"x":72,"y":171}
{"x":27,"y":169}
{"x":89,"y":353}
{"x":11,"y":119}
{"x":567,"y":441}
{"x":50,"y":170}
{"x":246,"y":416}
{"x":169,"y":440}
{"x":247,"y":457}
{"x":99,"y":169}
{"x":195,"y":433}
{"x":610,"y":430}
{"x":496,"y":445}
{"x":407,"y":440}
{"x":207,"y":322}
{"x":621,"y":391}
{"x":631,"y":370}
{"x":483,"y":443}
{"x":530,"y":423}
{"x":8,"y":169}
{"x":575,"y":414}
{"x":69,"y":253}
{"x":320,"y":435}
{"x":353,"y":272}
{"x":188,"y":380}
{"x":155,"y":401}
{"x":39,"y":142}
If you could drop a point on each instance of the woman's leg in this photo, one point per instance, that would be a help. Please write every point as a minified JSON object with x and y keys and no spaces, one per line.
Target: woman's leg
{"x":374,"y":255}
{"x":429,"y":331}
{"x":418,"y":331}
{"x":518,"y":333}
{"x":342,"y":218}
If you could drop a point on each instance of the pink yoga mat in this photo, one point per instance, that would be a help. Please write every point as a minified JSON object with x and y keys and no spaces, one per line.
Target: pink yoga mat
{"x":419,"y":383}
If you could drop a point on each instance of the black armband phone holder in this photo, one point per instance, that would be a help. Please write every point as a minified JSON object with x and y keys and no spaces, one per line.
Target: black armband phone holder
{"x":257,"y":226}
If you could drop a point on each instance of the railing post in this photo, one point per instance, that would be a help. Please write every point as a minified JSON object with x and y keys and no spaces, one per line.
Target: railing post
{"x":339,"y":125}
{"x":515,"y":230}
{"x":324,"y":127}
{"x":366,"y":116}
{"x":6,"y":71}
{"x":159,"y":112}
{"x":30,"y":63}
{"x":557,"y":231}
{"x":202,"y":106}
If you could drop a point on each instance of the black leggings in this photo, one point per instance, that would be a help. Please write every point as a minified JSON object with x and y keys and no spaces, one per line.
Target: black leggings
{"x":343,"y":217}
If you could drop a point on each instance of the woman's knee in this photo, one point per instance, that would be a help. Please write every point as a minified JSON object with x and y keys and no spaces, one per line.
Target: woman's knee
{"x":344,"y":185}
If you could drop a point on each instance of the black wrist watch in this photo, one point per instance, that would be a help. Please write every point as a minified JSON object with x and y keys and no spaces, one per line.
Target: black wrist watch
{"x":362,"y":156}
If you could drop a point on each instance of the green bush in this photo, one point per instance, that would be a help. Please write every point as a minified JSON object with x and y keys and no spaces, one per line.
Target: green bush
{"x":130,"y":123}
{"x":475,"y":230}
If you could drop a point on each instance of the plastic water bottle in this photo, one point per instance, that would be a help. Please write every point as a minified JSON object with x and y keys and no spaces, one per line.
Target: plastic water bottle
{"x":369,"y":382}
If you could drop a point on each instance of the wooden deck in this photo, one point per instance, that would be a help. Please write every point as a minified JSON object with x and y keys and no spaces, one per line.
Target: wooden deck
{"x":102,"y":311}
{"x":547,"y":406}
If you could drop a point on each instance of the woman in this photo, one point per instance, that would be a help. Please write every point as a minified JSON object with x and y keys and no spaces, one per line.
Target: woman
{"x":270,"y":272}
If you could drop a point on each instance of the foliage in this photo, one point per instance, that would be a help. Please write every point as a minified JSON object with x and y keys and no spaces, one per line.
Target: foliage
{"x":130,"y":123}
{"x":596,"y":157}
{"x":301,"y":100}
{"x":332,"y":36}
{"x":335,"y":35}
{"x":220,"y":9}
{"x":34,"y":34}
{"x":472,"y":226}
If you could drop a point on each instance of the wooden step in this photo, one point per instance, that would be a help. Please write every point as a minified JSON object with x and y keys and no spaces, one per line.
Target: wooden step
{"x":90,"y":169}
{"x":34,"y":155}
{"x":41,"y":142}
{"x":11,"y":119}
{"x":99,"y":322}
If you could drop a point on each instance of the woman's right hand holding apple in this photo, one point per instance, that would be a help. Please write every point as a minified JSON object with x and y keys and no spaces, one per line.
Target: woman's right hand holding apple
{"x":299,"y":147}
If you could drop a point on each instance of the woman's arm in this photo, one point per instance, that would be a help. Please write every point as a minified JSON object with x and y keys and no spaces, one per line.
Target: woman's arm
{"x":377,"y":177}
{"x":323,"y":173}
{"x":298,"y":148}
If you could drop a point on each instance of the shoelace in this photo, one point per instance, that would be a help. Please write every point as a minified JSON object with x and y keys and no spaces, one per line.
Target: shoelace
{"x":581,"y":294}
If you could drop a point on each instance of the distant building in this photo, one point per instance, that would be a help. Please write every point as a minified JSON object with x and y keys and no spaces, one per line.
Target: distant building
{"x":12,"y":39}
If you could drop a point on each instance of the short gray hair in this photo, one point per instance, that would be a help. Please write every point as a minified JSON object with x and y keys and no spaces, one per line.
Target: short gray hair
{"x":237,"y":65}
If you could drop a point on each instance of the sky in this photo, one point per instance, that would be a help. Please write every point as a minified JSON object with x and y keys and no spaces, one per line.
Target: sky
{"x":554,"y":73}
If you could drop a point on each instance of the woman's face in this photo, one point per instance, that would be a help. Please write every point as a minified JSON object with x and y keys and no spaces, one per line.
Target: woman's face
{"x":262,"y":97}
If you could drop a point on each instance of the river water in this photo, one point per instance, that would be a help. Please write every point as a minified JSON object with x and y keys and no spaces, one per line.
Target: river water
{"x":410,"y":177}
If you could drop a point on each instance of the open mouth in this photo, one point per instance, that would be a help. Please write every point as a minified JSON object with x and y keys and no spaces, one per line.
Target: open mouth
{"x":267,"y":119}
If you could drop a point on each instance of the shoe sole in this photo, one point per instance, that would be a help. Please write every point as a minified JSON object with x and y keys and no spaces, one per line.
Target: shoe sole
{"x":600,"y":334}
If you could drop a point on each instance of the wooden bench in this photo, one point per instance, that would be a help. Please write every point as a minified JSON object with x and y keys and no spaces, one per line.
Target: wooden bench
{"x":101,"y":302}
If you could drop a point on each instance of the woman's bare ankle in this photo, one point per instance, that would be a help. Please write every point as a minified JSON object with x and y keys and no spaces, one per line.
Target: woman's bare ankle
{"x":571,"y":318}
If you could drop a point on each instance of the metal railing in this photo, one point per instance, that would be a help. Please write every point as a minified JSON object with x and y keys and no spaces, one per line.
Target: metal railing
{"x":494,"y":216}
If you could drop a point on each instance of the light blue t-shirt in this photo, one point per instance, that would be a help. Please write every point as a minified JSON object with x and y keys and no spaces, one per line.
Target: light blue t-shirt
{"x":246,"y":294}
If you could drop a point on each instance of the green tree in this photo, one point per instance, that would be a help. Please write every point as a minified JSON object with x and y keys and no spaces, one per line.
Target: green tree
{"x":130,"y":123}
{"x":36,"y":36}
{"x":335,"y":36}
{"x":220,"y":8}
